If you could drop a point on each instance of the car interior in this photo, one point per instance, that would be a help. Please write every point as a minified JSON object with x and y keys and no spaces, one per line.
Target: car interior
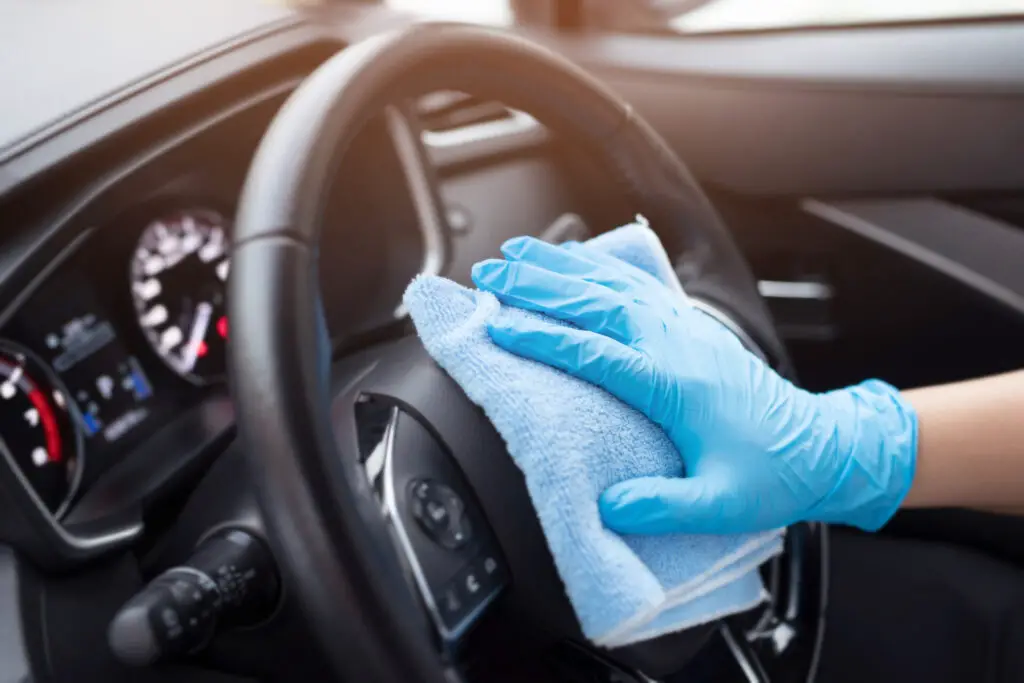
{"x":221,"y":433}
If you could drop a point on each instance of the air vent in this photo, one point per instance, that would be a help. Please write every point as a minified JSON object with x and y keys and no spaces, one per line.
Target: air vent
{"x":458,"y":122}
{"x":444,"y":111}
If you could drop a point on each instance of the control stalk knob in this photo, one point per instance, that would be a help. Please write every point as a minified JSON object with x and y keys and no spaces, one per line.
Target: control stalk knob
{"x":230,"y":580}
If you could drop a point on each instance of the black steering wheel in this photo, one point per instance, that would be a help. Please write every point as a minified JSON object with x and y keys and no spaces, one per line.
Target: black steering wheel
{"x":396,"y":516}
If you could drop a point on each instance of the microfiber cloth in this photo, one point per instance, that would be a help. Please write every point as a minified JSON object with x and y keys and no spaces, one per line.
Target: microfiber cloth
{"x":572,"y":440}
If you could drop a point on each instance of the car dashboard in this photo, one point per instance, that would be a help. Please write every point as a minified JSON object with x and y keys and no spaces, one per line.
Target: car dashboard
{"x":118,"y":335}
{"x":116,"y":251}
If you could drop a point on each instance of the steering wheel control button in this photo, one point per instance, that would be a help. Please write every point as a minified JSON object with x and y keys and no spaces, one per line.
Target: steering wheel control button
{"x":458,"y":535}
{"x":490,"y":566}
{"x":441,"y":514}
{"x":230,"y":581}
{"x":452,"y":605}
{"x":429,"y":509}
{"x":436,"y":515}
{"x":474,"y":585}
{"x":491,"y":571}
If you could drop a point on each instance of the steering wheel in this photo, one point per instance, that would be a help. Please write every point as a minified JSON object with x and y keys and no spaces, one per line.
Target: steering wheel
{"x":348,"y":457}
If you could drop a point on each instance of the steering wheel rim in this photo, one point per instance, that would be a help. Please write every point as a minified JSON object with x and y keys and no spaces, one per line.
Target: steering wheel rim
{"x":326,"y":528}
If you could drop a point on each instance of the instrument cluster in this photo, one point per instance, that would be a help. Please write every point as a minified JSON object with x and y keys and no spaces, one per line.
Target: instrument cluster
{"x":90,"y":366}
{"x":125,"y":331}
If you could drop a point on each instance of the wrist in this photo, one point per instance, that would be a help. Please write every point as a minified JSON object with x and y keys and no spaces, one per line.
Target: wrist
{"x":873,"y":432}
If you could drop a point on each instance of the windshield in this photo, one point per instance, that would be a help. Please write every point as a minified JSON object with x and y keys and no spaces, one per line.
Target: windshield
{"x":497,"y":12}
{"x":735,"y":15}
{"x":700,"y":16}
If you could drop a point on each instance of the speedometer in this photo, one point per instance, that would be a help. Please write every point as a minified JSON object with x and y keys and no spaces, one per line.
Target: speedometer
{"x":178,"y":276}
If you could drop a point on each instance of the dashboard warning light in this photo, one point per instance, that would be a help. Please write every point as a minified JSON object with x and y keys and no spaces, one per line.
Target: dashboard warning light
{"x":202,"y":350}
{"x":222,"y":326}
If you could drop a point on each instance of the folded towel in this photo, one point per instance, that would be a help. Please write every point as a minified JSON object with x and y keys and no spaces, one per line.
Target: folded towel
{"x":572,"y":440}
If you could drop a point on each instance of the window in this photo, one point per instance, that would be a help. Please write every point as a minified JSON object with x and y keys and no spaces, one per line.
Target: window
{"x":701,"y":16}
{"x":492,"y":12}
{"x":704,"y":16}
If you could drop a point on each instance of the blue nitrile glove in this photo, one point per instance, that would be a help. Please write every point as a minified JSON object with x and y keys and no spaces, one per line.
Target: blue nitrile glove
{"x":759,"y":452}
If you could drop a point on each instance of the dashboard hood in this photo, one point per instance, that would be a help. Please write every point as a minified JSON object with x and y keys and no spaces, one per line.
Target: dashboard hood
{"x":62,"y":57}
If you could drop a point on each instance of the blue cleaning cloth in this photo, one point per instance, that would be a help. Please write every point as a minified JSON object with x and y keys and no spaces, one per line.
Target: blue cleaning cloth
{"x":572,"y":440}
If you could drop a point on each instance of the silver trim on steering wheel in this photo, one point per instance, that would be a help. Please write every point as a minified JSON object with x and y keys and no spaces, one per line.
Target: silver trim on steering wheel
{"x":750,"y":670}
{"x":380,"y":464}
{"x":428,"y":213}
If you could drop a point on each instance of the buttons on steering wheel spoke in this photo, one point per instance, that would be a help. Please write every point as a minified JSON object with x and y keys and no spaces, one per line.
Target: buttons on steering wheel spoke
{"x":441,"y":514}
{"x":439,"y":526}
{"x":462,"y":595}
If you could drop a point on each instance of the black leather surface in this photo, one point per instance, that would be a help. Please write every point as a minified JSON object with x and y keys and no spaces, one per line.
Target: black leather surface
{"x":325,"y":528}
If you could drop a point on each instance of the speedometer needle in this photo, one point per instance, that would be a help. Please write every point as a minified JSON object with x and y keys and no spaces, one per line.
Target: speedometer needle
{"x":204,"y":311}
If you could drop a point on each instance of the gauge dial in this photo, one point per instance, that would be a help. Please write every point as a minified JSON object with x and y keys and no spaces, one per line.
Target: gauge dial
{"x":178,"y":276}
{"x":37,"y":427}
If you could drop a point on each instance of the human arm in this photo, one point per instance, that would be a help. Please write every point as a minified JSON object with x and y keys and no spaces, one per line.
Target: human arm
{"x":971,"y":445}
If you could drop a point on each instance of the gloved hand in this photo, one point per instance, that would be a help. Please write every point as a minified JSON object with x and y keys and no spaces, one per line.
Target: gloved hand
{"x":759,"y":452}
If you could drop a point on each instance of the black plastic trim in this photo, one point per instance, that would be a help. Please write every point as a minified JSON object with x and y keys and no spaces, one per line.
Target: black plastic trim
{"x":192,"y":440}
{"x":872,"y":111}
{"x":28,"y":525}
{"x":951,"y":59}
{"x":980,"y":252}
{"x":14,"y":641}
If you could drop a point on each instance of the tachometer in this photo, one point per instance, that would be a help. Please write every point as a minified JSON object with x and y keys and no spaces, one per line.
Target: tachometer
{"x":37,"y":427}
{"x":178,"y":275}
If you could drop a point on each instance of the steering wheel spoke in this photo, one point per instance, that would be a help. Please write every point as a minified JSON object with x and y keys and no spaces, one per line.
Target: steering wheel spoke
{"x":744,"y":655}
{"x":440,"y":531}
{"x":790,"y":628}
